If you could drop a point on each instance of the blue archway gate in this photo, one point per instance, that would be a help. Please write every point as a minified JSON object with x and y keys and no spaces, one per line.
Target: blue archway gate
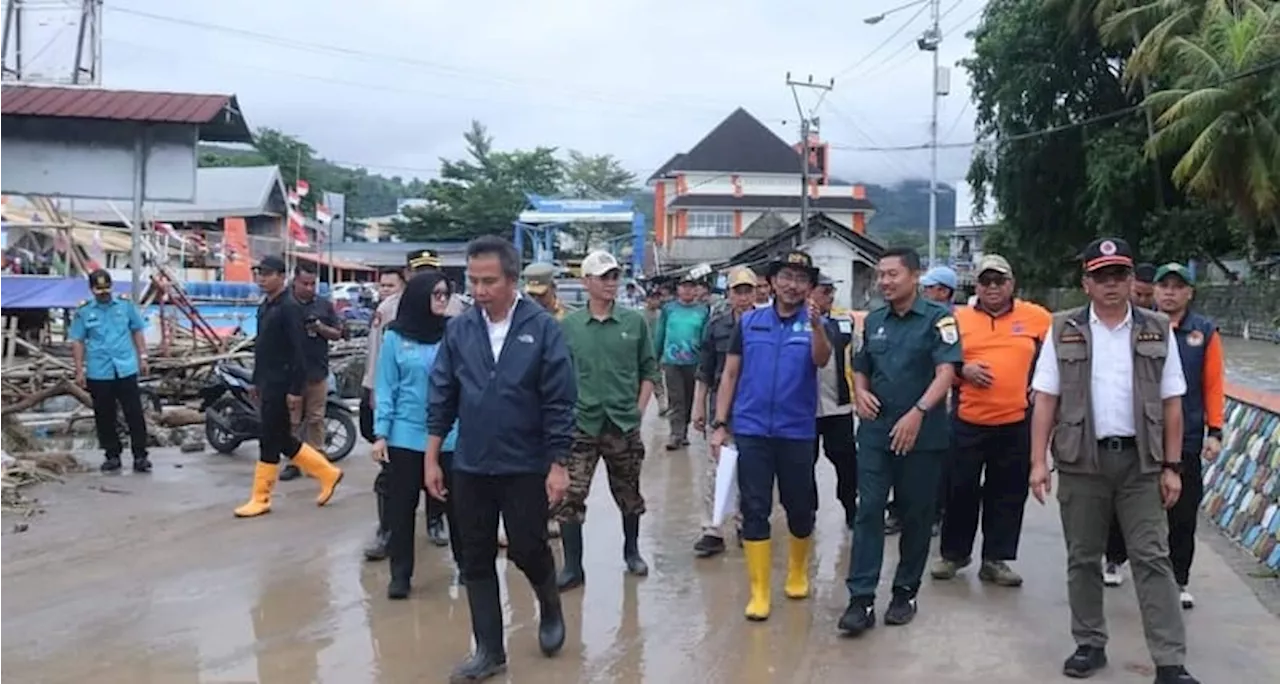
{"x":547,"y":216}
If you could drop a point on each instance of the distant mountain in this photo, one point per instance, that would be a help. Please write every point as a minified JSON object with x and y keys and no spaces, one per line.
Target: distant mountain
{"x":904,"y":207}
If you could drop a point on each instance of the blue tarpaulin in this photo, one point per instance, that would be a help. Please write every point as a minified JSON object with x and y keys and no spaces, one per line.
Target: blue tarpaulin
{"x":48,"y":292}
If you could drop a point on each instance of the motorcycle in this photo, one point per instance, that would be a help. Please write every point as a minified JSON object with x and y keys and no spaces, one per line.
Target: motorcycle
{"x":231,"y":414}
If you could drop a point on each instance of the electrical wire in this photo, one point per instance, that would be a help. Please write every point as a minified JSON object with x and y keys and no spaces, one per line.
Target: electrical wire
{"x":904,"y":26}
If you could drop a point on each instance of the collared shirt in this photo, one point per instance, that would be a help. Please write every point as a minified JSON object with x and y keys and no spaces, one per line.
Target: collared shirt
{"x":612,"y":356}
{"x":280,"y":351}
{"x":1111,"y":375}
{"x":317,"y":345}
{"x":498,"y":331}
{"x":1007,"y":343}
{"x":106,"y":330}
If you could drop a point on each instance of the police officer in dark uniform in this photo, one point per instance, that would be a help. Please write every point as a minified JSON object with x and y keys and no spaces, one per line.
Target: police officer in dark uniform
{"x":906,"y":366}
{"x":110,"y":353}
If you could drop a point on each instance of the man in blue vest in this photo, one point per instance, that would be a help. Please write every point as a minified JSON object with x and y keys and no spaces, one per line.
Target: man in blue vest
{"x":906,"y":366}
{"x":770,"y":381}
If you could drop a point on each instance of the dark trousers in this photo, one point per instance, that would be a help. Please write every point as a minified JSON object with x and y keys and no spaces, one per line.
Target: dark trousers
{"x":120,"y":394}
{"x":842,"y":450}
{"x":521,"y":500}
{"x":761,"y":461}
{"x":277,"y":437}
{"x":989,"y":478}
{"x":366,"y":415}
{"x":680,"y":381}
{"x":914,"y":480}
{"x":404,"y":483}
{"x":1182,"y":523}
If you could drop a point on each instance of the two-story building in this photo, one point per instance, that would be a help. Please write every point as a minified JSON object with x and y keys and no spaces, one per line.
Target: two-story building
{"x":740,"y":173}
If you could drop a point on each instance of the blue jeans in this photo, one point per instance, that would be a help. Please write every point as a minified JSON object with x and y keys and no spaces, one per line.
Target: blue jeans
{"x":790,"y":461}
{"x":914,"y":479}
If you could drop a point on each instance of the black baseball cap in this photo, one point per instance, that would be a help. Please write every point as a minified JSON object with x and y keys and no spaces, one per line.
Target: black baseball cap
{"x":1105,"y":252}
{"x":1145,"y":272}
{"x":796,"y":259}
{"x":100,"y":281}
{"x":271,"y":264}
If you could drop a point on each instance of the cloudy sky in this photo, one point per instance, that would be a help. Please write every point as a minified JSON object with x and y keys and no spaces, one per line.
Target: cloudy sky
{"x":392,"y":85}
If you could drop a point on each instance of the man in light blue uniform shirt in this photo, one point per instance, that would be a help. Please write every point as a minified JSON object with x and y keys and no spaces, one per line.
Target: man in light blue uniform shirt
{"x":109,"y":353}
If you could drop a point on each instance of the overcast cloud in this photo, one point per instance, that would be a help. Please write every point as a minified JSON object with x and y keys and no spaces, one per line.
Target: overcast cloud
{"x":640,"y":79}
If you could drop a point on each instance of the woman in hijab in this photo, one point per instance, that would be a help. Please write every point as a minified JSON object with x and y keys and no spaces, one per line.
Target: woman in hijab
{"x":409,"y":347}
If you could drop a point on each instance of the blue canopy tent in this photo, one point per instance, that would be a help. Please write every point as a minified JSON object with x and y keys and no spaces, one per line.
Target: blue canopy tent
{"x":547,"y":216}
{"x":48,"y":292}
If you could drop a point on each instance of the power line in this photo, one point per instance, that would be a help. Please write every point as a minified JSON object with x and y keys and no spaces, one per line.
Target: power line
{"x":1101,"y":118}
{"x":903,"y":27}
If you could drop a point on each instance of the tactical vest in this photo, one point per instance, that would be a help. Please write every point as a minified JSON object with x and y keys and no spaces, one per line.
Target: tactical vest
{"x":777,"y":393}
{"x":1075,"y":443}
{"x":1193,"y":334}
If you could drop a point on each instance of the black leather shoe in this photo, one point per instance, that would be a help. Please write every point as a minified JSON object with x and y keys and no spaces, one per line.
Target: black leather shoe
{"x":290,"y":472}
{"x":142,"y":465}
{"x":571,"y":575}
{"x":1086,"y":662}
{"x":901,"y":611}
{"x":1174,"y":674}
{"x":708,"y":546}
{"x":858,"y":617}
{"x":111,"y":465}
{"x":636,"y":564}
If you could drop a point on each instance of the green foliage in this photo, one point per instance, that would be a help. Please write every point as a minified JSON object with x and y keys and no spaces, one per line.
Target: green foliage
{"x":904,"y":208}
{"x":482,"y":193}
{"x":595,"y":177}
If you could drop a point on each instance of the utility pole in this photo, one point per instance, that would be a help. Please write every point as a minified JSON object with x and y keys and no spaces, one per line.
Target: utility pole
{"x":84,"y":15}
{"x":807,"y":122}
{"x":930,"y":41}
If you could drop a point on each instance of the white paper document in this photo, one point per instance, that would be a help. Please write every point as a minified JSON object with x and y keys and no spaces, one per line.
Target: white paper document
{"x":726,"y":484}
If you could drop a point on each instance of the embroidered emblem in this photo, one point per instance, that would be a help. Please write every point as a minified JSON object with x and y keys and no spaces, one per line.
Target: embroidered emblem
{"x":1108,"y":248}
{"x":1151,"y":337}
{"x":1195,"y":338}
{"x":1018,"y":328}
{"x":947,"y":330}
{"x":526,"y":338}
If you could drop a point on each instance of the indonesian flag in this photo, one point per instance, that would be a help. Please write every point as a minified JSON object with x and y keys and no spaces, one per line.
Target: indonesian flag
{"x":97,"y":252}
{"x":167,"y":230}
{"x":294,"y":198}
{"x":302,"y":188}
{"x":298,"y":228}
{"x":323,"y":215}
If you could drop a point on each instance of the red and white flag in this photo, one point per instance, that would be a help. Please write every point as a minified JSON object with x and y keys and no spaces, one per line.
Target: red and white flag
{"x":302,"y":188}
{"x":323,"y":215}
{"x":298,"y":228}
{"x":167,"y":229}
{"x":294,"y":198}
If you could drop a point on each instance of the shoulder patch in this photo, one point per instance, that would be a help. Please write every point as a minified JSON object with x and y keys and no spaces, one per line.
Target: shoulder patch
{"x":947,"y":329}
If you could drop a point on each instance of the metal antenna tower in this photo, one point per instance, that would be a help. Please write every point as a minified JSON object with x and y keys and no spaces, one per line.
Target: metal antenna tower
{"x":17,"y":52}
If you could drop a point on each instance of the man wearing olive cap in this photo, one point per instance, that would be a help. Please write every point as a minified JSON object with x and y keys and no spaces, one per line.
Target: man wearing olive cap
{"x":540,"y":285}
{"x":1108,"y":404}
{"x":110,"y":354}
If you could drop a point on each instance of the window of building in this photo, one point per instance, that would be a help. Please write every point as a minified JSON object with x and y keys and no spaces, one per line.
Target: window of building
{"x":710,"y":224}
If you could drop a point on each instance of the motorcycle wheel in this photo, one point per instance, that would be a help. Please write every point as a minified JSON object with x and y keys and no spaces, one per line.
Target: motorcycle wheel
{"x":339,"y":433}
{"x":222,"y":441}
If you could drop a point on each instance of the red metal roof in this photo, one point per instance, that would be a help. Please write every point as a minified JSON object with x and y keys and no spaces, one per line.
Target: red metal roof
{"x":122,"y":105}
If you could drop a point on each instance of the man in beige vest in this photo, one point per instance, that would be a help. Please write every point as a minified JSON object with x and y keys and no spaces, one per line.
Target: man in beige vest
{"x":1108,"y":404}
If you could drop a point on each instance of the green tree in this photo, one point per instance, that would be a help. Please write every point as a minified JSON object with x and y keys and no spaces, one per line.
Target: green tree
{"x":482,"y":193}
{"x":596,"y":177}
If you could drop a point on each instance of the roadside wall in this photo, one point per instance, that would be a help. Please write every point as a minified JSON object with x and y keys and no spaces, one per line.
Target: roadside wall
{"x":1242,"y":487}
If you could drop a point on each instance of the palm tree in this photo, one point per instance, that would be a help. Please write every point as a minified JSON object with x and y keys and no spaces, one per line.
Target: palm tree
{"x":1221,"y":115}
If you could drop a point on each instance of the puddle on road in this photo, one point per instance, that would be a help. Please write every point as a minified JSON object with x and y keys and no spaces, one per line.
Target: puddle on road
{"x":1253,"y":363}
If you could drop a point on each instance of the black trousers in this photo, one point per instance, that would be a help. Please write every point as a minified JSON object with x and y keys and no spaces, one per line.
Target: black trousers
{"x":839,"y":445}
{"x":277,"y":437}
{"x":404,"y":483}
{"x":366,"y":415}
{"x":989,"y":481}
{"x":1182,"y":523}
{"x":119,"y":394}
{"x":521,"y":500}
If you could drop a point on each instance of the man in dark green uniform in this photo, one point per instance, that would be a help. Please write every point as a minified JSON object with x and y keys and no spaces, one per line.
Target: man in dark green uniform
{"x":615,"y":364}
{"x":907,"y":363}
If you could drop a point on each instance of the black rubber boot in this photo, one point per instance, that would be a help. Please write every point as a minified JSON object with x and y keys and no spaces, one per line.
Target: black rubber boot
{"x":631,"y":546}
{"x":571,"y":575}
{"x":489,"y":658}
{"x":110,"y":465}
{"x":377,"y":548}
{"x":141,"y":464}
{"x":550,"y":617}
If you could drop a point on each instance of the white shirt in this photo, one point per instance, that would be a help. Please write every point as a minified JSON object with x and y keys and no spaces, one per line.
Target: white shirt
{"x":498,"y":331}
{"x":1111,"y":375}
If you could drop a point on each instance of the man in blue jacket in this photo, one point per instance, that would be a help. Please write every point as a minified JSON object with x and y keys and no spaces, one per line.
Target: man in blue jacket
{"x":505,"y":373}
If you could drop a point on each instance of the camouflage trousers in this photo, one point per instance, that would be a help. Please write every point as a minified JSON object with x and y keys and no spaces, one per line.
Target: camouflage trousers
{"x":623,"y":455}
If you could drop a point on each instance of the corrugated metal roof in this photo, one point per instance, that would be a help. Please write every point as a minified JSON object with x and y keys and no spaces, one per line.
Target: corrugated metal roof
{"x":220,"y":113}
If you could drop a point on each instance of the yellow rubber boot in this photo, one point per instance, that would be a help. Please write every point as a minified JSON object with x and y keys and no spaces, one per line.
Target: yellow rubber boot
{"x":758,"y":572}
{"x":315,"y":465}
{"x":264,"y":480}
{"x":797,"y":586}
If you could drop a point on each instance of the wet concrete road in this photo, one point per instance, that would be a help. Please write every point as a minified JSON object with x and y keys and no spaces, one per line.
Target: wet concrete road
{"x":149,"y":579}
{"x":1253,"y":363}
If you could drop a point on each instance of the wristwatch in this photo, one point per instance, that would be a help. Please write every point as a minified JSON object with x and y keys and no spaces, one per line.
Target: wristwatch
{"x":1175,"y":466}
{"x":921,"y":407}
{"x":717,"y":424}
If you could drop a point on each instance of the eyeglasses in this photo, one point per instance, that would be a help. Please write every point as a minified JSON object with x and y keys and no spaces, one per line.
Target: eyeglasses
{"x":994,"y":280}
{"x":440,"y":294}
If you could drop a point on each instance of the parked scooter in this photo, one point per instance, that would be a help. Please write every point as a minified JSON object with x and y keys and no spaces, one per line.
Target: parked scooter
{"x":231,"y":414}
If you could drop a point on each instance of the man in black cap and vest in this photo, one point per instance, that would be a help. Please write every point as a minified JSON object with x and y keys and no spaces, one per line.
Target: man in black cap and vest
{"x":1108,"y":404}
{"x":110,"y":354}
